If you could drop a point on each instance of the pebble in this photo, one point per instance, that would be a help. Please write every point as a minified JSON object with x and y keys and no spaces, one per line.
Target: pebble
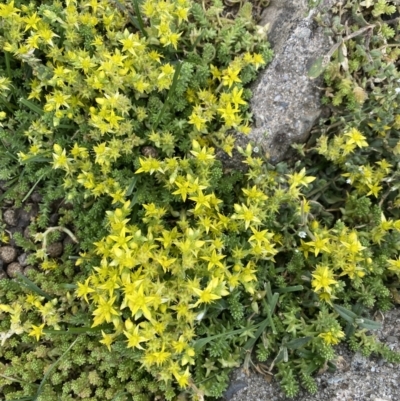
{"x":10,"y":218}
{"x":391,"y":339}
{"x":3,"y":274}
{"x":27,"y":234}
{"x":23,"y":259}
{"x":234,"y":388}
{"x":36,"y":197}
{"x":25,"y":215}
{"x":53,"y":220}
{"x":55,"y":250}
{"x":13,"y":269}
{"x":8,"y":254}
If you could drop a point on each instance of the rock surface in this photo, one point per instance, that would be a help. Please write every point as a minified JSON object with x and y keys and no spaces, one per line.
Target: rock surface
{"x":8,"y":254}
{"x":286,"y":102}
{"x":357,"y":378}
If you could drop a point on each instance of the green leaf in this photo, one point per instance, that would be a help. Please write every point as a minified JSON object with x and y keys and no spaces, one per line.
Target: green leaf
{"x":317,"y":68}
{"x":298,"y":342}
{"x":370,"y":324}
{"x":289,"y":289}
{"x":346,"y":314}
{"x":131,"y":187}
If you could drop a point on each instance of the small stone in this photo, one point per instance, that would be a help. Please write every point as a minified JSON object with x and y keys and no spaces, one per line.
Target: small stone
{"x":67,"y":206}
{"x":8,"y":254}
{"x":277,"y":98}
{"x":23,"y":259}
{"x":234,"y":388}
{"x":36,"y":197}
{"x":149,"y":151}
{"x":55,"y":250}
{"x":68,"y":241}
{"x":53,"y":220}
{"x":10,"y":218}
{"x":373,"y":369}
{"x":3,"y":274}
{"x":392,"y":339}
{"x":27,"y":214}
{"x":14,"y":268}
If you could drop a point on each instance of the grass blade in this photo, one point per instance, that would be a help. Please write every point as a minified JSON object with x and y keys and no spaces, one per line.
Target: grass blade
{"x":171,"y":90}
{"x":74,"y":330}
{"x":52,"y":367}
{"x":250,"y":343}
{"x":32,"y":106}
{"x":133,"y":20}
{"x":8,"y":64}
{"x":289,"y":289}
{"x":139,"y":18}
{"x":33,"y":287}
{"x":31,"y":190}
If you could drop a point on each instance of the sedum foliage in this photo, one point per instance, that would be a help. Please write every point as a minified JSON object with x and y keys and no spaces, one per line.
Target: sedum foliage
{"x":121,"y":108}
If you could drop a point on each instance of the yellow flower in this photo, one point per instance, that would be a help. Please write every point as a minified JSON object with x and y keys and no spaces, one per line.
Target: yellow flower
{"x":197,"y":119}
{"x":355,"y":136}
{"x":332,"y":336}
{"x":84,"y":289}
{"x":107,"y":340}
{"x":37,"y":331}
{"x":134,"y":337}
{"x":319,"y":244}
{"x":31,"y":22}
{"x":246,"y":214}
{"x":394,"y":265}
{"x":230,"y":76}
{"x":258,"y":60}
{"x":104,"y":311}
{"x":300,"y":178}
{"x":323,"y":279}
{"x":182,"y":378}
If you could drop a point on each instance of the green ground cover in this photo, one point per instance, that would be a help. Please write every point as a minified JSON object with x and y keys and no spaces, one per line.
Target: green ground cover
{"x":115,"y":111}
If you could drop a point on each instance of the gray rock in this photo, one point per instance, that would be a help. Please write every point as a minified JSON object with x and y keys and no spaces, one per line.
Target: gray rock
{"x":27,"y":214}
{"x":286,"y":102}
{"x":233,"y":388}
{"x":13,"y":269}
{"x":8,"y":254}
{"x":55,"y":250}
{"x":10,"y":217}
{"x":23,"y":259}
{"x":36,"y":197}
{"x":3,"y":274}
